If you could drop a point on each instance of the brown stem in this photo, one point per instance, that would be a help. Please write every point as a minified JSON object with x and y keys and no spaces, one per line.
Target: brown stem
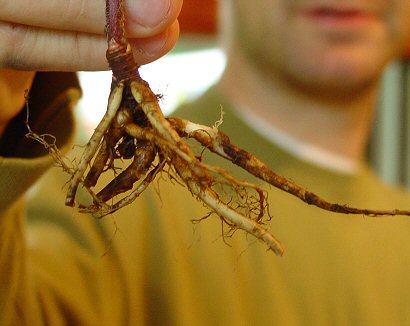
{"x":115,"y":21}
{"x":119,"y":53}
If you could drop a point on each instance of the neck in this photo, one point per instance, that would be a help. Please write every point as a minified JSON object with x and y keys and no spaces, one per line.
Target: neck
{"x":339,"y":127}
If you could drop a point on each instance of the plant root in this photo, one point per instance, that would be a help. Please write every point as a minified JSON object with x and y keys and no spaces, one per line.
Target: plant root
{"x":134,"y":129}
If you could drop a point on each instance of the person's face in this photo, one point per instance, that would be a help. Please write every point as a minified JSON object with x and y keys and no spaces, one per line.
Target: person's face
{"x":338,"y":45}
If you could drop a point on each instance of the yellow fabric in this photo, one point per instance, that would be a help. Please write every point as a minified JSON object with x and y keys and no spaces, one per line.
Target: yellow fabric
{"x":149,"y":264}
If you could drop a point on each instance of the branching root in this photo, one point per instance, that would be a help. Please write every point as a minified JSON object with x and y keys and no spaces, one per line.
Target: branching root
{"x":135,"y":132}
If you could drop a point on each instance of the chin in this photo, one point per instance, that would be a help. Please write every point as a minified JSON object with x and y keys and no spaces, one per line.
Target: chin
{"x":339,"y":83}
{"x":341,"y":70}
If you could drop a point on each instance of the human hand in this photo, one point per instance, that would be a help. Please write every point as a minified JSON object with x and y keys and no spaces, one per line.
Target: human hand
{"x":68,"y":35}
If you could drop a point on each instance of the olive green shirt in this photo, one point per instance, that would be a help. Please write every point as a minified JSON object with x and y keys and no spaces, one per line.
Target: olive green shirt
{"x":150,"y":263}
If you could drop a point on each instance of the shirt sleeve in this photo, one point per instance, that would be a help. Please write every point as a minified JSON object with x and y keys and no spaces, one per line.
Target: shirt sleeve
{"x":22,"y":162}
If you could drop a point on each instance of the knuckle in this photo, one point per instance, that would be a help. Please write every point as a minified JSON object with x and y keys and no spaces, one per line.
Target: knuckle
{"x":27,"y":48}
{"x":24,"y":47}
{"x":12,"y":37}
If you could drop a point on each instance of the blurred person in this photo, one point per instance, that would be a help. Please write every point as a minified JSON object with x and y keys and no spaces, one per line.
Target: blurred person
{"x":299,"y":91}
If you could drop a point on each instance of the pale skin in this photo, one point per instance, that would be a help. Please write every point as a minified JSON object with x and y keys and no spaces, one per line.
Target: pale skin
{"x":66,"y":35}
{"x":315,"y":80}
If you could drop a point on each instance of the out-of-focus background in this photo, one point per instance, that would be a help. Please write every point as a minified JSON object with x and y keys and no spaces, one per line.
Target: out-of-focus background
{"x":197,"y":62}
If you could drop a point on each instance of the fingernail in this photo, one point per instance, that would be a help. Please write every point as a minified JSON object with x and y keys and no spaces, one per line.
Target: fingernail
{"x":148,"y":14}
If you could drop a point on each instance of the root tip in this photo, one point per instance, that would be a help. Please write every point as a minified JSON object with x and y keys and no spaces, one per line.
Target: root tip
{"x":69,"y":202}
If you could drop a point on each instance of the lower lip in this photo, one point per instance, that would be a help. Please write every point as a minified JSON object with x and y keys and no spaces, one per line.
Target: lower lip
{"x":339,"y":20}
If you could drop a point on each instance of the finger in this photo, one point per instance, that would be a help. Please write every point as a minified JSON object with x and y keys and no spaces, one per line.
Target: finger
{"x":29,"y":48}
{"x":149,"y":49}
{"x":144,"y":17}
{"x":76,"y":15}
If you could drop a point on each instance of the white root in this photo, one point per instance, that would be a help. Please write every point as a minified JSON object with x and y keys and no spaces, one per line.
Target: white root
{"x":191,"y":169}
{"x":149,"y":103}
{"x":114,"y":103}
{"x":211,"y":133}
{"x":240,"y":221}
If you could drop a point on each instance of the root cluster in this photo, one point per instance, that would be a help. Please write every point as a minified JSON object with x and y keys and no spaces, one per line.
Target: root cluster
{"x":134,"y":130}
